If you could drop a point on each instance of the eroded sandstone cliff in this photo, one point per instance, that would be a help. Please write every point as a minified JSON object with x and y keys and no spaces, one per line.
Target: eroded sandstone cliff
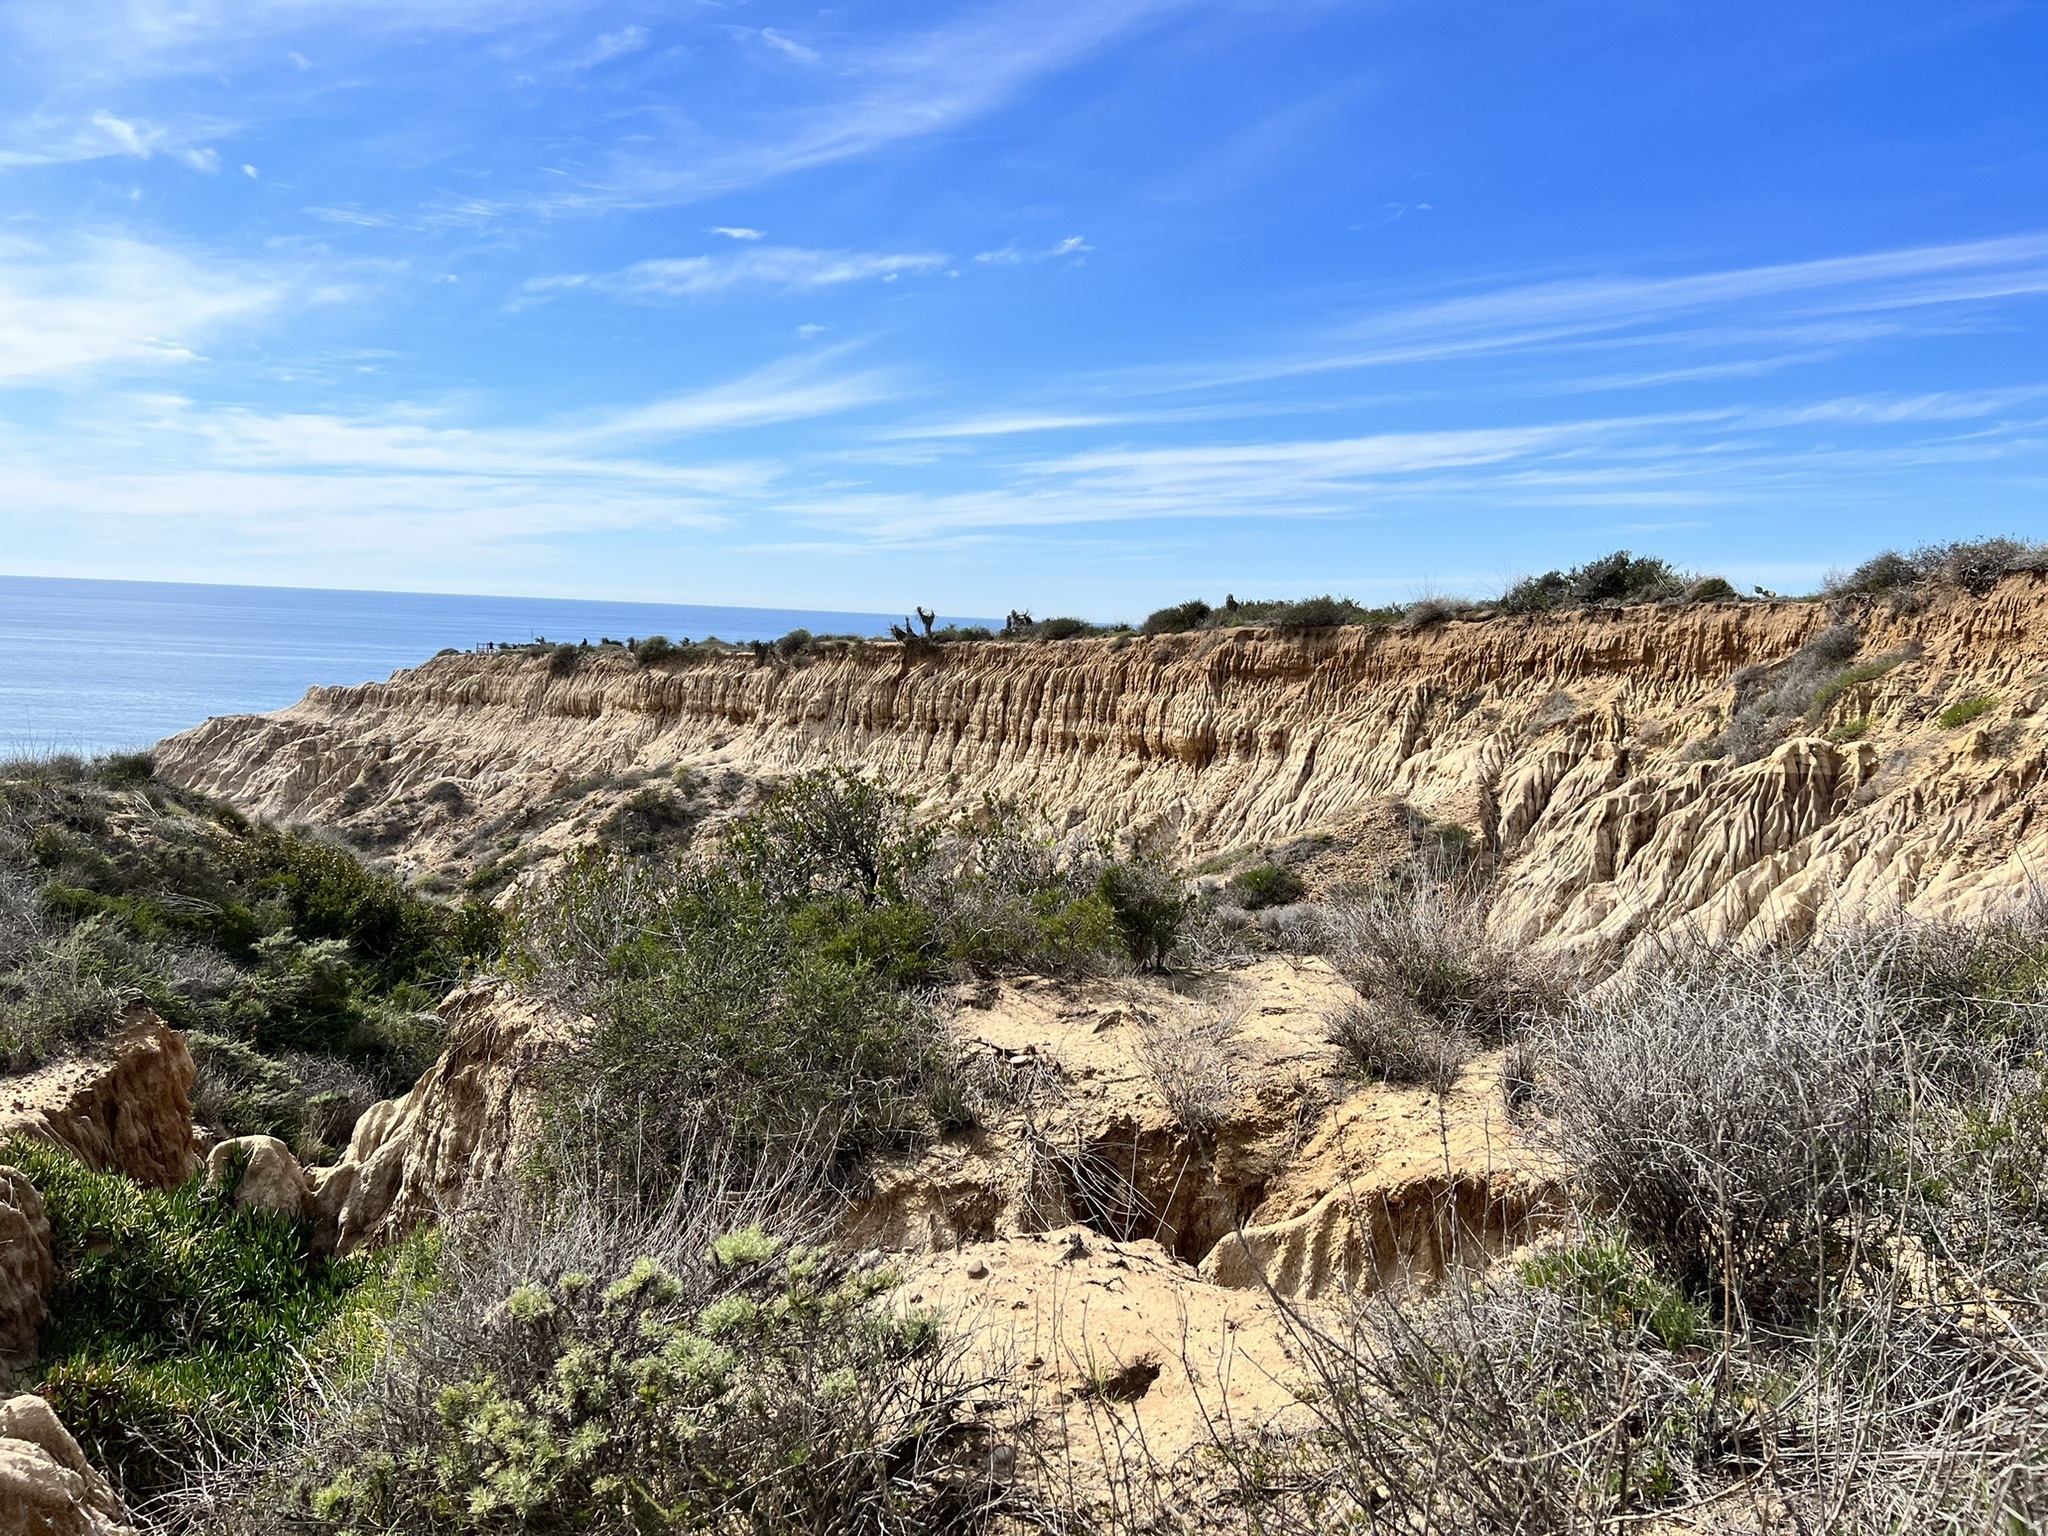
{"x":1575,"y":747}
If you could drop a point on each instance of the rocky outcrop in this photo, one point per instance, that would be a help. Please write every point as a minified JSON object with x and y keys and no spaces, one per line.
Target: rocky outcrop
{"x":124,"y":1106}
{"x":27,"y":1268}
{"x":1292,"y":1173}
{"x":1396,"y":1187}
{"x":47,"y":1488}
{"x":264,"y":1176}
{"x":1570,"y":745}
{"x":454,"y":1139}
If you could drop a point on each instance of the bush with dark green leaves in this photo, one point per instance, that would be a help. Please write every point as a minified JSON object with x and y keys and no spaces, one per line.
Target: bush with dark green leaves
{"x":1176,"y":620}
{"x":1621,"y":577}
{"x":782,"y":981}
{"x":1265,"y":885}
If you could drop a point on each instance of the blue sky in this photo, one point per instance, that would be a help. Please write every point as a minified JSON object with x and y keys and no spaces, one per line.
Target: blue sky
{"x":1075,"y":305}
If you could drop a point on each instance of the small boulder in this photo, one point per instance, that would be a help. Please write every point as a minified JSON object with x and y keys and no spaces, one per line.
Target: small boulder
{"x":47,"y":1488}
{"x":271,"y":1179}
{"x":26,"y":1268}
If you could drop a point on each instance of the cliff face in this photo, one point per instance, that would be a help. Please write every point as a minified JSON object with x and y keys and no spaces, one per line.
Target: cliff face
{"x":1572,"y":745}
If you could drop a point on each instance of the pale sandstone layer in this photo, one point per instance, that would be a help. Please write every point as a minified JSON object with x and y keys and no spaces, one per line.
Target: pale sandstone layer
{"x":121,"y":1106}
{"x":1561,"y":741}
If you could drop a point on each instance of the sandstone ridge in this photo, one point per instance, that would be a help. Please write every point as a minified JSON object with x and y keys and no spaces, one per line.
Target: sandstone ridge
{"x":1573,"y":746}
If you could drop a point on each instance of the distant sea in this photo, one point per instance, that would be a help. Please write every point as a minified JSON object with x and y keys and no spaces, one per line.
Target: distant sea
{"x":101,"y":666}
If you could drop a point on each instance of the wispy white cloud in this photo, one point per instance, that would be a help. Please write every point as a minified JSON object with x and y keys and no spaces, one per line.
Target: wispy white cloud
{"x":1013,"y":254}
{"x":789,"y":46}
{"x":96,"y":303}
{"x":612,"y":45}
{"x":791,"y":390}
{"x":1835,"y":300}
{"x":60,"y":139}
{"x":873,"y":95}
{"x":766,"y":266}
{"x":738,"y":232}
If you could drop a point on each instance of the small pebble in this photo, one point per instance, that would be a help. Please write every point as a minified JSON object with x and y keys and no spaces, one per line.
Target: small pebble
{"x":976,"y":1269}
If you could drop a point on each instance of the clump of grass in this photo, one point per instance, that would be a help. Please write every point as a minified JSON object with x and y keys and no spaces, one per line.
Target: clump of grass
{"x":1390,"y":1042}
{"x":1425,"y":946}
{"x":1187,"y":1054}
{"x":1850,"y":677}
{"x":1963,"y":711}
{"x":177,"y":1322}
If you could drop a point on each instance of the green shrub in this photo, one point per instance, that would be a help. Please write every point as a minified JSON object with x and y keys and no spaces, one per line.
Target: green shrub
{"x":1148,"y":904}
{"x":711,"y":996}
{"x":446,"y":793}
{"x":1617,"y":1289}
{"x":176,"y":1320}
{"x":1317,"y":613}
{"x":1176,"y":620}
{"x":1265,"y":885}
{"x":649,"y":821}
{"x":1963,"y":711}
{"x":591,"y":1367}
{"x":266,"y":937}
{"x":1842,"y":682}
{"x":830,"y":832}
{"x":1617,"y":578}
{"x":564,"y":659}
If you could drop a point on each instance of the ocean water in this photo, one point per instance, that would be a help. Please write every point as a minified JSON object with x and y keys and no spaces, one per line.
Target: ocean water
{"x":101,"y":666}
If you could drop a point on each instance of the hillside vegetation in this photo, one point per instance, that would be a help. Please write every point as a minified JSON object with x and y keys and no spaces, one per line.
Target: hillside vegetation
{"x":305,"y":982}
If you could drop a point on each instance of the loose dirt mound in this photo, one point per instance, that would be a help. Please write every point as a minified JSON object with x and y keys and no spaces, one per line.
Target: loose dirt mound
{"x":1126,"y":1362}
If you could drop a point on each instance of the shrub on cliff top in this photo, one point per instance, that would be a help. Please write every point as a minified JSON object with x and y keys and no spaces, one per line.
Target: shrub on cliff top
{"x":1973,"y":565}
{"x":1612,"y":579}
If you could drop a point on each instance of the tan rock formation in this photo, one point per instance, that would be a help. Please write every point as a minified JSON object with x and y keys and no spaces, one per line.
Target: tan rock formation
{"x":1396,"y":1186}
{"x":122,"y":1106}
{"x":1298,"y":1174}
{"x":47,"y":1488}
{"x":1567,"y":743}
{"x":27,"y":1268}
{"x":455,"y":1137}
{"x":266,"y":1175}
